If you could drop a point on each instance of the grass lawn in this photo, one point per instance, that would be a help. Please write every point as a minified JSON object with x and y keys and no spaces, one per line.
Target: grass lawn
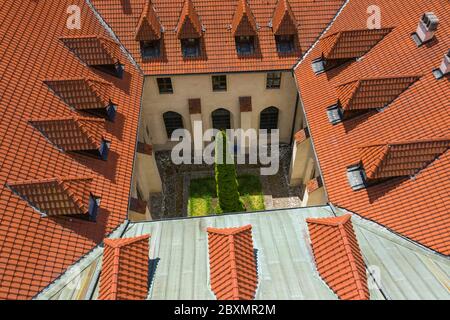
{"x":203,"y":198}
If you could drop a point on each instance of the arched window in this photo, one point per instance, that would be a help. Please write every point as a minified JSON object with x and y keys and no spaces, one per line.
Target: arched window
{"x":221,"y":119}
{"x":173,"y":121}
{"x":269,"y":118}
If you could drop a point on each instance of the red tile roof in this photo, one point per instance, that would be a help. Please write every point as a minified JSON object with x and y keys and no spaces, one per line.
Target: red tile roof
{"x":283,"y":21}
{"x":93,"y":50}
{"x":56,"y":197}
{"x":402,"y":158}
{"x":338,"y":257}
{"x":243,"y":23}
{"x":217,"y":39}
{"x":189,"y":25}
{"x":232,"y":263}
{"x":35,"y":250}
{"x":372,"y":93}
{"x":83,"y":93}
{"x":124,"y":274}
{"x":416,"y":207}
{"x":149,"y":27}
{"x":73,"y":133}
{"x":349,"y":44}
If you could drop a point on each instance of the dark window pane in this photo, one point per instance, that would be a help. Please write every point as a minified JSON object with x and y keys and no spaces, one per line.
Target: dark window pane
{"x":172,"y":121}
{"x":274,"y":80}
{"x":245,"y":45}
{"x":219,"y":83}
{"x":165,"y":85}
{"x":221,"y":119}
{"x":190,"y":47}
{"x":285,"y":44}
{"x":269,"y":119}
{"x":150,"y":49}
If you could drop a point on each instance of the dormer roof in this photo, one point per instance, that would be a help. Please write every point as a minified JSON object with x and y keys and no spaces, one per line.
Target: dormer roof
{"x":148,"y":28}
{"x":232,"y":263}
{"x":283,"y":21}
{"x":189,"y":25}
{"x":56,"y":196}
{"x":244,"y":23}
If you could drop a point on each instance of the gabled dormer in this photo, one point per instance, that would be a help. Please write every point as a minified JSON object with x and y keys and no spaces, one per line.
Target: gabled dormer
{"x":244,"y":29}
{"x":341,"y":47}
{"x":360,"y":96}
{"x":67,"y":196}
{"x":232,"y":263}
{"x":97,"y":52}
{"x":382,"y":161}
{"x":284,"y":26}
{"x":189,"y":31}
{"x":149,"y":32}
{"x":84,"y":94}
{"x":76,"y":134}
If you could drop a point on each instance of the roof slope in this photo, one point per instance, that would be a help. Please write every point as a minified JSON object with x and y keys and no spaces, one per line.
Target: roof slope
{"x":232,"y":263}
{"x":414,"y":207}
{"x":286,"y":268}
{"x":338,"y":257}
{"x":217,"y":38}
{"x":124,"y":274}
{"x":34,"y":250}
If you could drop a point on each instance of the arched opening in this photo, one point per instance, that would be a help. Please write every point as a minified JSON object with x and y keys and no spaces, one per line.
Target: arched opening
{"x":269,"y":118}
{"x":221,"y":119}
{"x":172,"y":121}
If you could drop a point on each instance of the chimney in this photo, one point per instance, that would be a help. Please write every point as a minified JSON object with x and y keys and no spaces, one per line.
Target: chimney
{"x":425,"y":30}
{"x":444,"y":68}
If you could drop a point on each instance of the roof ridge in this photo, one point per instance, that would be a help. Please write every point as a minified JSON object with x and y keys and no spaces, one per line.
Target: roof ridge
{"x":76,"y":200}
{"x":122,"y":242}
{"x":403,"y":142}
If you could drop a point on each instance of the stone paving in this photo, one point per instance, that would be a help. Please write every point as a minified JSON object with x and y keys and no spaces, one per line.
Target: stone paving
{"x":172,"y":202}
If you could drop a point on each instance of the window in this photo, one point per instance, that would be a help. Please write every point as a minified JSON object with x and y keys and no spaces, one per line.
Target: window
{"x":219,"y":83}
{"x":94,"y":203}
{"x":356,"y":177}
{"x":245,"y":45}
{"x":165,"y":85}
{"x":285,"y":44}
{"x":173,"y":121}
{"x":318,"y":65}
{"x":150,"y":49}
{"x":334,"y":114}
{"x":221,"y":119}
{"x":269,"y":119}
{"x":104,"y":149}
{"x":273,"y":80}
{"x":190,"y":47}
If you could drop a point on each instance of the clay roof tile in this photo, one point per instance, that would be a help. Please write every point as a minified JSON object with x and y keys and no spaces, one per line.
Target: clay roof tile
{"x":72,"y":133}
{"x":338,"y":257}
{"x":283,"y":21}
{"x":388,"y":160}
{"x":189,"y":25}
{"x":232,"y":263}
{"x":56,"y":196}
{"x":149,"y":27}
{"x":124,"y":274}
{"x":244,"y":23}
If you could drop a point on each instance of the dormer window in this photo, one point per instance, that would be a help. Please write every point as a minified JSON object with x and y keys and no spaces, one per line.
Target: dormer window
{"x":111,"y":110}
{"x":150,"y":49}
{"x":356,"y":177}
{"x":190,"y":47}
{"x":245,"y":45}
{"x":334,"y":114}
{"x":104,"y":149}
{"x":318,"y":65}
{"x":94,"y":204}
{"x":285,"y":43}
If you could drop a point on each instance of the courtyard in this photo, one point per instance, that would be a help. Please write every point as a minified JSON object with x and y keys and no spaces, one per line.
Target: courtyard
{"x":189,"y":190}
